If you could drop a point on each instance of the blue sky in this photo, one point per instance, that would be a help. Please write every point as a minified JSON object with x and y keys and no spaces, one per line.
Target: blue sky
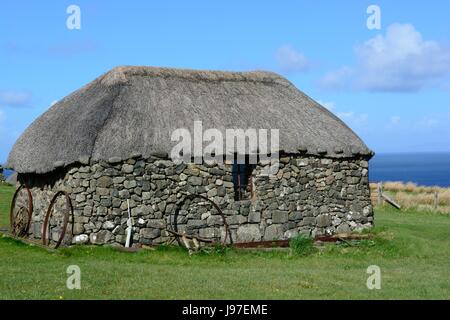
{"x":392,"y":86}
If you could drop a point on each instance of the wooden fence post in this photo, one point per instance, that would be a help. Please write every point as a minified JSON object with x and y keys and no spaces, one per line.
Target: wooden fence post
{"x":436,"y":200}
{"x":380,"y":194}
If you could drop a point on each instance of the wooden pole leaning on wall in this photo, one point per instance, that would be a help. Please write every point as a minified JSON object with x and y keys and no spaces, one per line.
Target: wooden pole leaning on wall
{"x":384,"y":197}
{"x":391,"y":201}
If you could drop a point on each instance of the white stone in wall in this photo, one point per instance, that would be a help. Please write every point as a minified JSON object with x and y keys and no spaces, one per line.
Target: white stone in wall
{"x":81,"y":239}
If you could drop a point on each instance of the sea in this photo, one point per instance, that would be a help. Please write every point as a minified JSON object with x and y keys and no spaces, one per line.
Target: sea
{"x":425,"y":169}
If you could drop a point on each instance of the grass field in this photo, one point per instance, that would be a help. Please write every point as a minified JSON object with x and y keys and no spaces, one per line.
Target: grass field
{"x":411,"y":248}
{"x":6,"y":194}
{"x":411,"y":196}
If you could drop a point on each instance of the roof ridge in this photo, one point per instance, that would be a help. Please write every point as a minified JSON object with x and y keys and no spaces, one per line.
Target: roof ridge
{"x":121,"y":75}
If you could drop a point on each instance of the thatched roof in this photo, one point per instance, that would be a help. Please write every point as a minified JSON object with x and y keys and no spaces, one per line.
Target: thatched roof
{"x":133,"y":110}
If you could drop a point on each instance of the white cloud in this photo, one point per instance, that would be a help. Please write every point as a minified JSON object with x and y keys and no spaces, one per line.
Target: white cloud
{"x":15,"y":98}
{"x":2,"y":115}
{"x":353,"y":119}
{"x":290,"y":60}
{"x":400,"y":60}
{"x":338,"y":79}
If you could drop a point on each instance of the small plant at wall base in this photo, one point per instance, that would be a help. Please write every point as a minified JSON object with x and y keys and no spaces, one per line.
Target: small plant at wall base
{"x":302,"y":245}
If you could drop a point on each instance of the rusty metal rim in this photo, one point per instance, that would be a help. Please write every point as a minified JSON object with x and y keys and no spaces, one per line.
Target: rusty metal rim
{"x":67,"y":212}
{"x":13,"y":204}
{"x":263,"y":244}
{"x":174,"y":224}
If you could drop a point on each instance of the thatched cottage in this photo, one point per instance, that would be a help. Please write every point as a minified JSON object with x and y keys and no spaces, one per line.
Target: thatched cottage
{"x":107,"y":146}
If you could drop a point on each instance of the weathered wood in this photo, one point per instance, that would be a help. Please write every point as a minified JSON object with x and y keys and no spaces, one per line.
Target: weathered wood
{"x":379,"y":194}
{"x":436,"y":199}
{"x":391,"y":201}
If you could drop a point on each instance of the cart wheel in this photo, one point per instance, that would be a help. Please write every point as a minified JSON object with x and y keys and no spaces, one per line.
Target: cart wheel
{"x":173,"y":220}
{"x":49,"y":224}
{"x":21,"y":212}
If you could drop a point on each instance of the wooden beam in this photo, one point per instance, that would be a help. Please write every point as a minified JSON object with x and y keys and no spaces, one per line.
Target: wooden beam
{"x":391,"y":201}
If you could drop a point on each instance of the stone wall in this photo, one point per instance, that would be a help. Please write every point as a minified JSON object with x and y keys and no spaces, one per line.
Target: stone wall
{"x":312,"y":196}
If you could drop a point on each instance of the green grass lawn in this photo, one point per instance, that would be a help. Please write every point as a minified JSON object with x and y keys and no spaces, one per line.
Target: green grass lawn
{"x":411,"y":248}
{"x":6,"y":194}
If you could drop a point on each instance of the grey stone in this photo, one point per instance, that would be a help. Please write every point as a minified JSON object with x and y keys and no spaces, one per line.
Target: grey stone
{"x":146,"y":195}
{"x":323,"y":220}
{"x":236,"y":219}
{"x":209,"y":233}
{"x":78,"y":228}
{"x":343,"y":228}
{"x":196,"y":223}
{"x":84,"y":159}
{"x":248,"y":233}
{"x":162,"y":206}
{"x":127,"y":168}
{"x":195,"y":181}
{"x":228,"y":184}
{"x":157,"y":223}
{"x":149,"y":233}
{"x":104,"y":182}
{"x":279,"y":217}
{"x":295,"y":216}
{"x":273,"y":232}
{"x":102,"y":191}
{"x":124,"y":194}
{"x":109,"y":225}
{"x":129,"y":184}
{"x":254,"y":216}
{"x":101,"y":237}
{"x":214,"y":220}
{"x":212,"y":193}
{"x":80,"y":197}
{"x":221,"y":191}
{"x":106,"y":202}
{"x":307,"y":221}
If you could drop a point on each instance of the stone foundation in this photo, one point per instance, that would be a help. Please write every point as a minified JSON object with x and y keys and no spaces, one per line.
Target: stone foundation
{"x":311,"y":196}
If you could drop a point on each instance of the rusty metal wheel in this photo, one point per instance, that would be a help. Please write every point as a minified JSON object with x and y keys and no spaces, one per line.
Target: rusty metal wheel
{"x":67,"y":213}
{"x":174,"y":224}
{"x":21,"y":212}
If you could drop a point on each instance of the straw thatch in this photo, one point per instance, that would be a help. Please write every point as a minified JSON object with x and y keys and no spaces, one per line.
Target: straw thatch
{"x":135,"y":110}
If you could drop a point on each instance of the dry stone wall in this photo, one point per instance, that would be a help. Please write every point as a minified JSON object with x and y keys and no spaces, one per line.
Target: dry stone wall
{"x":311,"y":196}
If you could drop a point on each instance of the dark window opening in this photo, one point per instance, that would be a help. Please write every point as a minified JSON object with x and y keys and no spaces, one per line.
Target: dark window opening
{"x":243,"y":181}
